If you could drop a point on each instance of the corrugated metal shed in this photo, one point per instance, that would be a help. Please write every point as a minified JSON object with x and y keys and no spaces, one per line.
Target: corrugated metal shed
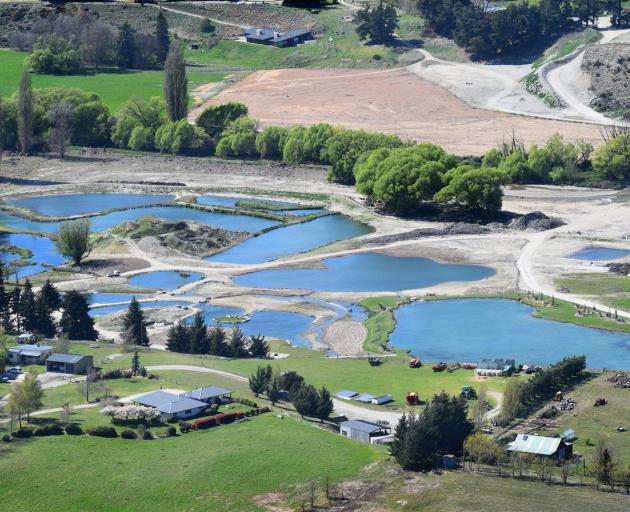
{"x":538,"y":445}
{"x":65,"y":358}
{"x":362,"y":426}
{"x":365,"y":398}
{"x":346,"y":394}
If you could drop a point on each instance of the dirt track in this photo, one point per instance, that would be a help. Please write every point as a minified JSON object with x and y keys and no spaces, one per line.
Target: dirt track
{"x":391,"y":101}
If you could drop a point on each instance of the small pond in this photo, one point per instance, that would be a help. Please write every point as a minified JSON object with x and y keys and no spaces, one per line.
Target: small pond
{"x":366,"y":272}
{"x":600,"y":254}
{"x":43,"y":249}
{"x":164,"y":280}
{"x":470,"y":329}
{"x":292,"y":239}
{"x":67,"y":205}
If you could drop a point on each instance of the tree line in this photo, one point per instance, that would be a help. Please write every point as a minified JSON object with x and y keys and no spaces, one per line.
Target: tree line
{"x":305,"y":398}
{"x":63,"y":44}
{"x":24,"y":310}
{"x":198,"y":338}
{"x":517,"y":29}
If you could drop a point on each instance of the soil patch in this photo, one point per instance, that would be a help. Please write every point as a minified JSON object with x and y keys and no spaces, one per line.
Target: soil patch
{"x":608,"y":66}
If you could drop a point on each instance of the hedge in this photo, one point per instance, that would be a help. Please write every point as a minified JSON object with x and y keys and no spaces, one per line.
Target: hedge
{"x":219,"y":419}
{"x":49,"y":430}
{"x":23,"y":433}
{"x":72,"y":429}
{"x":103,"y":431}
{"x":129,"y":434}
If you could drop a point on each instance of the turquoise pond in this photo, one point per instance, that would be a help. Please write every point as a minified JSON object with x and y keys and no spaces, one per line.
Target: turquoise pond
{"x":43,"y":249}
{"x":371,"y":271}
{"x":600,"y":254}
{"x":470,"y":329}
{"x":165,"y":280}
{"x":67,"y":205}
{"x":292,"y":239}
{"x":230,"y":222}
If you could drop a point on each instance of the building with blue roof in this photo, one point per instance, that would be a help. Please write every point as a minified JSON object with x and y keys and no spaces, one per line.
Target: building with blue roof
{"x":29,"y":354}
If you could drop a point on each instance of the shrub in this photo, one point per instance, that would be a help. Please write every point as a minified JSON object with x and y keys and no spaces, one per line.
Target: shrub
{"x":103,"y":431}
{"x":147,"y":435}
{"x":264,"y":409}
{"x":171,"y":432}
{"x":6,"y":438}
{"x":54,"y":54}
{"x":118,"y":373}
{"x":49,"y":430}
{"x":132,"y":414}
{"x":219,"y":419}
{"x":215,"y":119}
{"x":22,"y":433}
{"x":129,"y":434}
{"x":184,"y":427}
{"x":72,"y":429}
{"x":206,"y":26}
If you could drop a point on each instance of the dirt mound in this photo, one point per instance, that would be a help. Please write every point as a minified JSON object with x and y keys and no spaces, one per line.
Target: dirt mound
{"x":608,"y":66}
{"x":535,"y":221}
{"x":619,"y":268}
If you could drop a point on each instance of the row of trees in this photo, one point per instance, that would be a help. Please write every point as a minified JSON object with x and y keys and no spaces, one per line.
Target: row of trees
{"x":21,"y":309}
{"x":63,"y":44}
{"x":516,"y":29}
{"x":305,"y":398}
{"x":197,"y":338}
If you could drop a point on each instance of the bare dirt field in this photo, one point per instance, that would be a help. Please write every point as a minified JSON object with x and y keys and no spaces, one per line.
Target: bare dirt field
{"x":391,"y":101}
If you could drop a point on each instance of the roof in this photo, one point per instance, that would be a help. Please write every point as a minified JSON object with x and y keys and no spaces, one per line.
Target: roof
{"x":267,"y":34}
{"x":568,"y":435}
{"x":346,"y":395}
{"x":65,"y":358}
{"x":31,"y":349}
{"x":539,"y":445}
{"x":291,"y":34}
{"x":363,"y":426}
{"x":207,"y":392}
{"x":157,"y":398}
{"x":181,"y":404}
{"x":365,"y":397}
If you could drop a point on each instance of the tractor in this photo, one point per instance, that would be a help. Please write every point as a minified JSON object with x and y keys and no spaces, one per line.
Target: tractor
{"x":468,"y":392}
{"x":415,"y":363}
{"x":439,"y":367}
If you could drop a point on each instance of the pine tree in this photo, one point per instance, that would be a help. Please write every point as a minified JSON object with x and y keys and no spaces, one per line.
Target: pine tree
{"x":176,"y":84}
{"x":125,"y":46}
{"x":5,"y":304}
{"x":50,"y":295}
{"x":396,"y":446}
{"x":324,"y":404}
{"x":161,"y":36}
{"x":305,"y":401}
{"x":259,"y":381}
{"x":76,"y":322}
{"x":258,"y":347}
{"x":134,"y":325}
{"x":274,"y":391}
{"x":198,"y":336}
{"x":28,"y":308}
{"x":25,"y":111}
{"x":178,"y":338}
{"x":135,"y":363}
{"x":218,"y":341}
{"x":237,"y":343}
{"x":45,"y":323}
{"x":15,"y":297}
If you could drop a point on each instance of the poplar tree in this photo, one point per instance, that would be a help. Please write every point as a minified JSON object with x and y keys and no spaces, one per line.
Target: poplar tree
{"x":25,"y":111}
{"x":176,"y":84}
{"x":161,"y":36}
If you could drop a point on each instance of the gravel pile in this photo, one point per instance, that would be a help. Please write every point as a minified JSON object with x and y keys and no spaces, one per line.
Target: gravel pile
{"x":568,"y":404}
{"x":608,"y":66}
{"x":620,"y":380}
{"x":535,"y":221}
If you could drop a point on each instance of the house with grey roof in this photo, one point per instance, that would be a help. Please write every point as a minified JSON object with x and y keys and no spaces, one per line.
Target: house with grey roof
{"x":366,"y":431}
{"x":542,"y":446}
{"x":210,"y":394}
{"x":29,"y":354}
{"x":156,"y":398}
{"x":271,"y":37}
{"x":76,"y":364}
{"x":183,"y":407}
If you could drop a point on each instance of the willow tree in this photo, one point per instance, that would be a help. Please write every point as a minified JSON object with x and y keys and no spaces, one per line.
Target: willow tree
{"x":73,"y":240}
{"x":176,"y":84}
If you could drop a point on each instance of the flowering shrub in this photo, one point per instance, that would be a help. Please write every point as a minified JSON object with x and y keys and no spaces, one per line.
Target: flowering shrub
{"x":132,"y":414}
{"x":219,"y":419}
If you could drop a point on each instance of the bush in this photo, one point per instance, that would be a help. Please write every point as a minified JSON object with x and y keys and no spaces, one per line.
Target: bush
{"x":54,"y":54}
{"x":6,"y":438}
{"x":72,"y":429}
{"x":147,"y":435}
{"x":171,"y":432}
{"x":270,"y":142}
{"x":129,"y":434}
{"x":215,"y":119}
{"x":184,"y":427}
{"x":22,"y":433}
{"x":49,"y":430}
{"x":181,"y":137}
{"x":103,"y":431}
{"x":263,"y":410}
{"x":239,"y":139}
{"x":206,"y":26}
{"x":118,"y":373}
{"x":219,"y":419}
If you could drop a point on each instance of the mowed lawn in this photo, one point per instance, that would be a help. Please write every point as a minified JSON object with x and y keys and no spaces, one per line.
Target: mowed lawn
{"x":114,"y":86}
{"x":223,"y":468}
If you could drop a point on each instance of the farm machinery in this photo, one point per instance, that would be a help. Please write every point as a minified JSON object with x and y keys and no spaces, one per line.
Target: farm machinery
{"x":468,"y":392}
{"x":415,"y":363}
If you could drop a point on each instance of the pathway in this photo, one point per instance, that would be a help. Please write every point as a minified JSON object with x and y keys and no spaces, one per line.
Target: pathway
{"x":198,"y":16}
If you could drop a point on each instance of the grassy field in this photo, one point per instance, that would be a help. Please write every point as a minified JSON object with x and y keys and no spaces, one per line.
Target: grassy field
{"x":223,"y":468}
{"x":337,"y":46}
{"x":112,"y":85}
{"x":610,"y":289}
{"x":380,"y":324}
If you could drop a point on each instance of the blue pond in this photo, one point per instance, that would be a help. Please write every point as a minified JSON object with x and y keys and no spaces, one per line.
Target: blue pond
{"x":43,"y":250}
{"x":106,"y":310}
{"x":166,"y":280}
{"x":226,"y":221}
{"x":366,"y":272}
{"x":599,"y":254}
{"x":274,"y":324}
{"x":469,"y":329}
{"x":292,"y":239}
{"x":66,"y":205}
